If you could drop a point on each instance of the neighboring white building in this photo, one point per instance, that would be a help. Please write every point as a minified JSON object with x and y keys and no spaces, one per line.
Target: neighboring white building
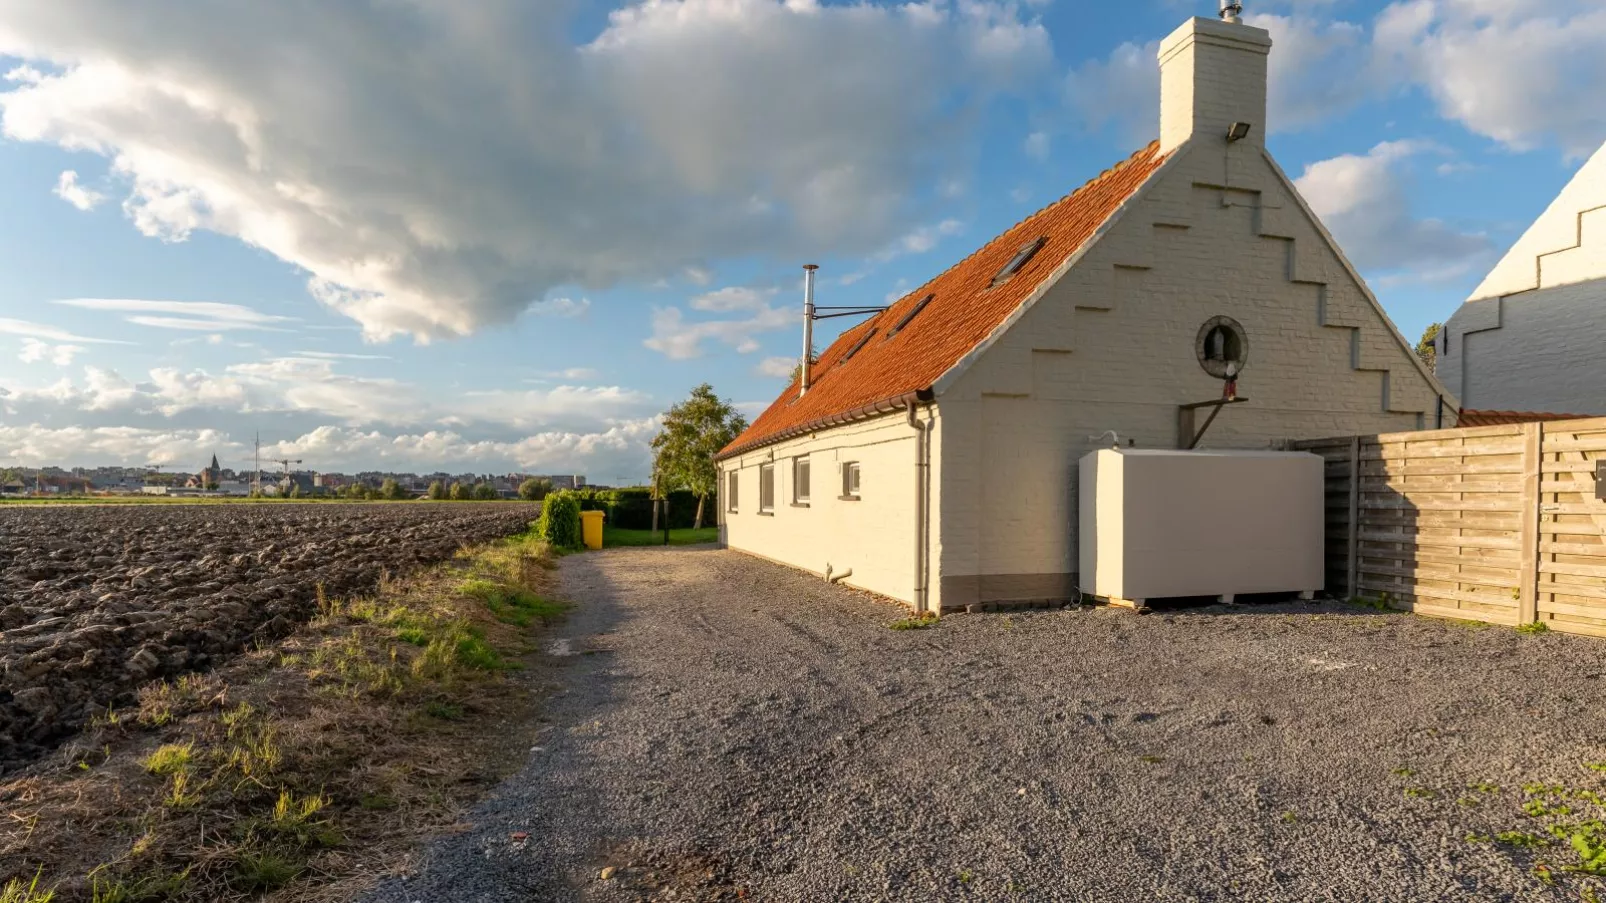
{"x":1531,"y":337}
{"x":934,"y":456}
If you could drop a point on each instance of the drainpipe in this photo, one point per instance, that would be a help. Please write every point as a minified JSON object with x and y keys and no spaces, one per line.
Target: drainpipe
{"x":808,"y":329}
{"x":922,"y":520}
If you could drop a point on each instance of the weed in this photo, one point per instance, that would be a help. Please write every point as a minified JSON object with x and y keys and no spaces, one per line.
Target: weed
{"x":1420,"y":793}
{"x":966,"y":876}
{"x":1543,"y":873}
{"x":164,"y":703}
{"x":1539,"y":788}
{"x":923,"y":621}
{"x":138,"y":890}
{"x":1484,"y":787}
{"x":511,"y":605}
{"x":1596,"y":766}
{"x":1538,"y":808}
{"x":170,"y":758}
{"x":1536,"y":627}
{"x":17,"y":892}
{"x":1405,"y":771}
{"x":181,"y":793}
{"x":414,"y":636}
{"x":256,"y":752}
{"x":258,"y":872}
{"x":1469,"y":802}
{"x":1151,"y":760}
{"x":1522,"y":840}
{"x":1384,"y":602}
{"x":1588,"y":894}
{"x":1290,"y":817}
{"x":445,"y":711}
{"x":297,"y":820}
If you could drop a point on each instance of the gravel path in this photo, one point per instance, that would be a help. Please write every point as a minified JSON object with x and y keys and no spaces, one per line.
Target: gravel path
{"x":723,"y":728}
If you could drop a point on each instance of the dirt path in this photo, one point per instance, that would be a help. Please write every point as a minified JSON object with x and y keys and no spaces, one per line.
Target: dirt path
{"x":723,"y":728}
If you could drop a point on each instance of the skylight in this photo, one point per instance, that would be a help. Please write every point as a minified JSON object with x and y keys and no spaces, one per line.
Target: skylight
{"x":913,"y":312}
{"x":857,"y":345}
{"x":1020,"y":259}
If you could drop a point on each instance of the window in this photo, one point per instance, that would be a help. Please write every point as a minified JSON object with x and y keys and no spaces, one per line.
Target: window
{"x":1024,"y":255}
{"x":913,"y":312}
{"x":800,"y":481}
{"x":850,"y":480}
{"x":766,"y":488}
{"x":857,"y":345}
{"x":1222,"y":347}
{"x":730,"y":491}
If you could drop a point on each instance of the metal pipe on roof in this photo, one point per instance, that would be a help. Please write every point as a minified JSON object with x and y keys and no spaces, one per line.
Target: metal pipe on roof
{"x":808,"y":329}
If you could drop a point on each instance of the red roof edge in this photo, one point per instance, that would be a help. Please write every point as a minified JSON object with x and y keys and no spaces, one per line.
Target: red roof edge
{"x":863,"y":412}
{"x":1503,"y":418}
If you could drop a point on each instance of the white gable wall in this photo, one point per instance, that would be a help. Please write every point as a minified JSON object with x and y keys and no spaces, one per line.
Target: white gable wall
{"x":1111,"y":346}
{"x":1530,"y":338}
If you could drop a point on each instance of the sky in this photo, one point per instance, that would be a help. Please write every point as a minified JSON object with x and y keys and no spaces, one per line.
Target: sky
{"x":494,"y":235}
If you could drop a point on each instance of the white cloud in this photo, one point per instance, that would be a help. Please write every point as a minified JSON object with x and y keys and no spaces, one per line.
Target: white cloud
{"x":567,"y":308}
{"x":921,"y":240}
{"x":571,"y":373}
{"x":198,"y":316}
{"x":68,"y":189}
{"x":9,"y":326}
{"x":432,"y":206}
{"x":676,"y":338}
{"x":1363,"y":200}
{"x":734,"y":298}
{"x":1520,"y":73}
{"x":336,"y":356}
{"x":1037,"y":146}
{"x":781,"y":367}
{"x":35,"y":351}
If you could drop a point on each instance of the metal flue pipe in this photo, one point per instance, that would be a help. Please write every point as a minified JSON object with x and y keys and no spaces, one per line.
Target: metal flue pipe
{"x":808,"y":329}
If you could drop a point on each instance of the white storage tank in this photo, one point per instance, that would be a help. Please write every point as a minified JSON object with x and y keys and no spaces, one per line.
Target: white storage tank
{"x":1157,"y":523}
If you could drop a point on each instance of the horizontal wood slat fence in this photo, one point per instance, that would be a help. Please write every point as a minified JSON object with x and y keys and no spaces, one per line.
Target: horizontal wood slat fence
{"x":1497,"y":524}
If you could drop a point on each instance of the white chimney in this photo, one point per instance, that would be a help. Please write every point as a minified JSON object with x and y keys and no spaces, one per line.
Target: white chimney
{"x":1213,"y":77}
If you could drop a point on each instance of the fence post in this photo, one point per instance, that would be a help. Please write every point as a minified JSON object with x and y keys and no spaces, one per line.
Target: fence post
{"x":1528,"y":572}
{"x":1352,"y":575}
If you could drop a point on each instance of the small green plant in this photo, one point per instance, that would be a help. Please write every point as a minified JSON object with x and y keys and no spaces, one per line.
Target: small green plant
{"x":17,"y":892}
{"x":923,"y":621}
{"x":259,"y":872}
{"x":1383,"y":602}
{"x":1522,"y":840}
{"x":445,"y":711}
{"x":170,"y":758}
{"x":1538,"y":808}
{"x":1420,"y":793}
{"x":1469,"y":802}
{"x":1151,"y":760}
{"x":966,"y":876}
{"x":1536,"y":627}
{"x":182,"y":793}
{"x":1596,"y":766}
{"x":1290,"y":817}
{"x":1484,"y":787}
{"x":1405,"y":771}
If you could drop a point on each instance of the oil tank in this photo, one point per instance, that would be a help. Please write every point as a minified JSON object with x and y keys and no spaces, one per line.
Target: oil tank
{"x":1156,"y":523}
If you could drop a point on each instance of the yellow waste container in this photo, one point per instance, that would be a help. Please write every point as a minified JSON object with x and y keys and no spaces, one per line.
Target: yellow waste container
{"x":591,"y":528}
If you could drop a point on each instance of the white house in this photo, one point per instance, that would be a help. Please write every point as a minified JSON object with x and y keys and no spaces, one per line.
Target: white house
{"x":1531,"y":336}
{"x":931,"y":453}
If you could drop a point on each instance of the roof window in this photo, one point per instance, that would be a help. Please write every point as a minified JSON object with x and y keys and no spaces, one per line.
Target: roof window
{"x":857,"y":345}
{"x":1021,"y":258}
{"x":913,"y":312}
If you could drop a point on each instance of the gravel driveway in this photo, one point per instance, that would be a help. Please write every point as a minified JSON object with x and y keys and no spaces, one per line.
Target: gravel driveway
{"x":724,"y":728}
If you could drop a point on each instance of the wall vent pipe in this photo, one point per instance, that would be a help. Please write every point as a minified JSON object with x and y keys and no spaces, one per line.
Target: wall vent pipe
{"x":808,"y":330}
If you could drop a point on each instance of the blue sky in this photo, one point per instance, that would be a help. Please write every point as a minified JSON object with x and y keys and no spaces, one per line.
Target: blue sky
{"x":489,"y":236}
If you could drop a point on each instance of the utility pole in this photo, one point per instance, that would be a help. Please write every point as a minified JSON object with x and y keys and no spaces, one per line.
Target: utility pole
{"x":256,"y":481}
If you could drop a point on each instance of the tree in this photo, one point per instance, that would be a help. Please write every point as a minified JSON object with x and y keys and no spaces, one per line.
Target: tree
{"x":485,"y":492}
{"x":437,"y":491}
{"x":1426,"y":349}
{"x":295,"y":490}
{"x":391,"y":490}
{"x":693,"y":432}
{"x":534,"y":490}
{"x":460,"y":493}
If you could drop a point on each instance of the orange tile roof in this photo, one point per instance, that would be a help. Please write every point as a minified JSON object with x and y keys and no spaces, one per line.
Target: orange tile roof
{"x":1503,"y":418}
{"x":963,"y":311}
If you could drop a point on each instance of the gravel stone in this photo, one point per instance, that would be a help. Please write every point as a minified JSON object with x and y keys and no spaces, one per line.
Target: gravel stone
{"x":730,"y":729}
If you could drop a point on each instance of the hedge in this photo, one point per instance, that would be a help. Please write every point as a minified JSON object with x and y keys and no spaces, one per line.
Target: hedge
{"x":631,"y":509}
{"x":559,"y":524}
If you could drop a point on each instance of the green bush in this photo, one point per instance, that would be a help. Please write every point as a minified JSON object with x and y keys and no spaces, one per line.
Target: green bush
{"x":461,"y":493}
{"x":559,"y":525}
{"x":485,"y":492}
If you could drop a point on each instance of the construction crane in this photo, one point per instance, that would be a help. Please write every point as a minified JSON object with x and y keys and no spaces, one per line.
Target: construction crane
{"x":285,"y":463}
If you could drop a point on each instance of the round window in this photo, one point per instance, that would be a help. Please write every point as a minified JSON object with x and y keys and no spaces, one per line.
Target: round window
{"x":1222,"y":347}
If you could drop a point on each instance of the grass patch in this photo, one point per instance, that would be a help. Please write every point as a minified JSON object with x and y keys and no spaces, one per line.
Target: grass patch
{"x":613,"y":536}
{"x":293,"y":769}
{"x":924,"y":621}
{"x":1534,"y":629}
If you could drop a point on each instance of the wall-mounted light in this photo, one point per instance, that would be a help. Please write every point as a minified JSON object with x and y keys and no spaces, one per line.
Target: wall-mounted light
{"x":1238,"y":131}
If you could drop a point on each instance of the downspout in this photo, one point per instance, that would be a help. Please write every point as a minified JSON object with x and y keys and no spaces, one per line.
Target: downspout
{"x":922,"y":519}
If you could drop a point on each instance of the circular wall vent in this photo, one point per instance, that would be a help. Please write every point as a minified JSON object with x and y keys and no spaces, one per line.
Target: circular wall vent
{"x":1222,"y":347}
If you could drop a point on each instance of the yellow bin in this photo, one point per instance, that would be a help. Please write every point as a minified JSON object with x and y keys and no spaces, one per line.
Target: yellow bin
{"x":591,"y":528}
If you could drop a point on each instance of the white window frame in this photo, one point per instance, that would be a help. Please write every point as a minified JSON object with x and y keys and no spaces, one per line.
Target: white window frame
{"x":732,"y":484}
{"x":851,"y":479}
{"x":766,"y":481}
{"x":801,"y":485}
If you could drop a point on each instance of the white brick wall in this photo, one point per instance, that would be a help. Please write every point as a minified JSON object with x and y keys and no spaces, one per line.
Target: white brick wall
{"x":873,"y":536}
{"x":1212,"y":74}
{"x":1112,"y":347}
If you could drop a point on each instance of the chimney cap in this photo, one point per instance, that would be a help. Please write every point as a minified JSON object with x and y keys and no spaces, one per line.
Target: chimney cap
{"x":811,"y":266}
{"x":1231,"y":10}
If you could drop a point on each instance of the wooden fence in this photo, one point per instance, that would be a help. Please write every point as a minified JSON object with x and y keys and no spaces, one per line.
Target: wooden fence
{"x":1498,"y":524}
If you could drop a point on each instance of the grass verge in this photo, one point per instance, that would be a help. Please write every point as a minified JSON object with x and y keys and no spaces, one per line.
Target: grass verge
{"x":612,"y":536}
{"x":297,"y":772}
